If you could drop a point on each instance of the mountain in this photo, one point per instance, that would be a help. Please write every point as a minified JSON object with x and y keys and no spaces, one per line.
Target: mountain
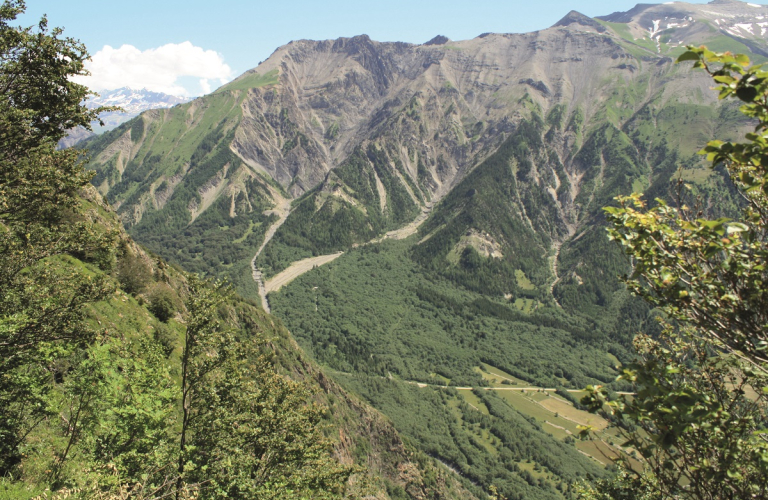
{"x":721,"y":25}
{"x":74,"y":136}
{"x":132,"y":102}
{"x":143,"y":324}
{"x":431,"y":215}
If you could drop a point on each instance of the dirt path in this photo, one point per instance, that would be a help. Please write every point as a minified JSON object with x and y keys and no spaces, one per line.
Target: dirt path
{"x":554,"y":273}
{"x":282,"y":210}
{"x":300,"y":267}
{"x":297,"y":269}
{"x":558,"y":427}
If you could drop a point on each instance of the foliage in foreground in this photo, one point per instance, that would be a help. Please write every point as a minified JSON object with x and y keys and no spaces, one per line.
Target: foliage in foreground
{"x":699,"y":415}
{"x":41,"y":220}
{"x":168,"y":393}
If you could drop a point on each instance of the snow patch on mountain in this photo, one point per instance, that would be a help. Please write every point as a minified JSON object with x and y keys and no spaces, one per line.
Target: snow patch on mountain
{"x":133,"y":102}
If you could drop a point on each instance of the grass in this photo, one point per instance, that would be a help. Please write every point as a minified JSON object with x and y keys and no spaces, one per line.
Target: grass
{"x":473,"y":401}
{"x":566,"y":410}
{"x":523,"y":281}
{"x":598,"y":450}
{"x":525,"y":404}
{"x":252,"y":81}
{"x":496,"y":376}
{"x":723,"y":43}
{"x":560,"y":419}
{"x":482,"y":436}
{"x":17,"y":490}
{"x":541,"y":473}
{"x":696,"y":175}
{"x":556,"y":430}
{"x":176,"y":132}
{"x":247,"y":232}
{"x":527,"y":306}
{"x":640,"y":184}
{"x":439,"y":379}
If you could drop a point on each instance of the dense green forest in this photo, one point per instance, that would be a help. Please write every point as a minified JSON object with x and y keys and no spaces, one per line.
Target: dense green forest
{"x":380,"y":324}
{"x":375,"y":312}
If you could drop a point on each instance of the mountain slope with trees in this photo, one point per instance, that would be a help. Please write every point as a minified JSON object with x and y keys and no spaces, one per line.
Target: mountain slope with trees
{"x":698,"y":416}
{"x":123,"y":376}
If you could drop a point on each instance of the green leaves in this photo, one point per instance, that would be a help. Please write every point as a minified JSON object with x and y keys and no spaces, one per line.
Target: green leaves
{"x":120,"y":413}
{"x":709,"y":273}
{"x":246,"y":431}
{"x":691,"y":419}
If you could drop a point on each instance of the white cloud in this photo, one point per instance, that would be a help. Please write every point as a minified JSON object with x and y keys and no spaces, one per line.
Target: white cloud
{"x":205,"y":85}
{"x":156,"y":69}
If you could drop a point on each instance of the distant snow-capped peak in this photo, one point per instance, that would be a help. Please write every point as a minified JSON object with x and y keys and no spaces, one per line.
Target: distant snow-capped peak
{"x":135,"y":101}
{"x":132,"y":102}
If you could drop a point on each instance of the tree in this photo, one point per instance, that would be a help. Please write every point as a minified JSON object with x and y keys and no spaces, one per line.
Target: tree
{"x":246,"y":431}
{"x":698,"y":417}
{"x":42,"y":220}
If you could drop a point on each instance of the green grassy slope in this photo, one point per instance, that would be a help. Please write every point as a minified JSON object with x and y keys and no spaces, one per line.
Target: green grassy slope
{"x":175,"y":157}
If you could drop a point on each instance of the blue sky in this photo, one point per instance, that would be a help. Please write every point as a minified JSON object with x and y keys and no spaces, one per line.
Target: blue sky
{"x":232,"y":36}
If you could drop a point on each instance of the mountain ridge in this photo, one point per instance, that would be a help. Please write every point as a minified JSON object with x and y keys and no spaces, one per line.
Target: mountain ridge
{"x":132,"y":102}
{"x":510,"y":143}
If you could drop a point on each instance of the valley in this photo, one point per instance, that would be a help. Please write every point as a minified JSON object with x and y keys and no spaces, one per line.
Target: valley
{"x":296,"y":269}
{"x":427,"y":220}
{"x":557,"y":416}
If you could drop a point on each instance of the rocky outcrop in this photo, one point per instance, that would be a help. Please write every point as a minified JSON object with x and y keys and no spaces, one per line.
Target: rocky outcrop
{"x":439,"y":109}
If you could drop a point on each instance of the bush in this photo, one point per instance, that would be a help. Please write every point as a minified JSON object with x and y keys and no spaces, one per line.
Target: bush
{"x":162,"y":302}
{"x":167,"y":338}
{"x":133,"y":273}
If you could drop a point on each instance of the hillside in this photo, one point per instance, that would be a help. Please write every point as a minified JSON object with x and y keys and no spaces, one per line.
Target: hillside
{"x":141,"y":329}
{"x":132,"y":102}
{"x":488,"y":162}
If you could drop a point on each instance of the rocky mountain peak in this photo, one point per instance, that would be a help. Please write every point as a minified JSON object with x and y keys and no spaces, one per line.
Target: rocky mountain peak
{"x":438,"y":40}
{"x":575,"y":17}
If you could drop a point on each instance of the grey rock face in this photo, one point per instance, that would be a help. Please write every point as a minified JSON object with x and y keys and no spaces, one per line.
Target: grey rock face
{"x":439,"y":109}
